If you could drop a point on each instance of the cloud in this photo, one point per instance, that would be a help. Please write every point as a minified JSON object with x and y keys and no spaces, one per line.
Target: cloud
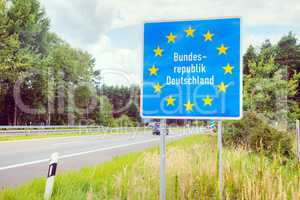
{"x":117,"y":65}
{"x":89,"y":24}
{"x":84,"y":21}
{"x":253,"y":12}
{"x":80,"y":22}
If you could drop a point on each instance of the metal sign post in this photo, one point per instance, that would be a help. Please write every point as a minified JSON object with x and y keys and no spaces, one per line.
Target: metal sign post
{"x":220,"y":174}
{"x":298,"y":139}
{"x":163,"y":160}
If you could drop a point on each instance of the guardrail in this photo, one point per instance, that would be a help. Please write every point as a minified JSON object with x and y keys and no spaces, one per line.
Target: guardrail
{"x":66,"y":130}
{"x":47,"y":127}
{"x":26,"y":130}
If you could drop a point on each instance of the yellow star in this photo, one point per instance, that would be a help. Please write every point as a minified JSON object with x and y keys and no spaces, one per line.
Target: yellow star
{"x":189,"y":106}
{"x":228,"y":69}
{"x":207,"y":100}
{"x":170,"y":101}
{"x":208,"y":36}
{"x":171,"y":37}
{"x":157,"y":88}
{"x":190,"y":32}
{"x":222,"y":49}
{"x":222,"y":87}
{"x":153,"y":70}
{"x":158,"y":51}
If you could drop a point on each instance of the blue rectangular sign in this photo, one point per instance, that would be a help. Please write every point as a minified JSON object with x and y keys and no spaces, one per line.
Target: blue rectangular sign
{"x":192,"y":69}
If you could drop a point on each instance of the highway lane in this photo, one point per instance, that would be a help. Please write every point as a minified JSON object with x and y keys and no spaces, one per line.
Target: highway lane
{"x":21,"y":161}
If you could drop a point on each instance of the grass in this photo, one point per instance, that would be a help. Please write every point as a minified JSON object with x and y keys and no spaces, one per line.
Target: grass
{"x":40,"y":136}
{"x":54,"y":135}
{"x":191,"y":174}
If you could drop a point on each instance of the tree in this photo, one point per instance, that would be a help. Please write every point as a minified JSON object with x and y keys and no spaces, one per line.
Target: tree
{"x":266,"y":89}
{"x":250,"y":56}
{"x":133,"y":112}
{"x":288,"y":52}
{"x":47,"y":67}
{"x":23,"y":27}
{"x":288,"y":56}
{"x":82,"y":97}
{"x":105,"y":112}
{"x":69,"y":68}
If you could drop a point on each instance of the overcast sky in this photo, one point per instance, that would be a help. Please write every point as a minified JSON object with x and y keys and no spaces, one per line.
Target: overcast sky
{"x":111,"y":29}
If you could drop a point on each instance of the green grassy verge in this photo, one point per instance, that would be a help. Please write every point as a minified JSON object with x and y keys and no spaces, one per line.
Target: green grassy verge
{"x":191,"y":174}
{"x":39,"y":136}
{"x":53,"y":135}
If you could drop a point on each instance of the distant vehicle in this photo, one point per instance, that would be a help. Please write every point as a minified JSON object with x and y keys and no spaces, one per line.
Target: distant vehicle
{"x":157,"y":129}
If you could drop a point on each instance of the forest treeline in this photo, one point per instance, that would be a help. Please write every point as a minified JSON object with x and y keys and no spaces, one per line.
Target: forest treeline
{"x":45,"y":81}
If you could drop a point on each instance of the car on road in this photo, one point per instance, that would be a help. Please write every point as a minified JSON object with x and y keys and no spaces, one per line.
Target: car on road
{"x":156,"y":129}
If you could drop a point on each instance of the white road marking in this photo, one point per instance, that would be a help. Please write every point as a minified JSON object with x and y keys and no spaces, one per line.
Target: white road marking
{"x":80,"y":153}
{"x":50,"y":138}
{"x":59,"y":137}
{"x":24,"y":164}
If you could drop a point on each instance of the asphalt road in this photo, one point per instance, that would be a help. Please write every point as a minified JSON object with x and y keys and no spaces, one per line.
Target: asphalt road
{"x":21,"y":161}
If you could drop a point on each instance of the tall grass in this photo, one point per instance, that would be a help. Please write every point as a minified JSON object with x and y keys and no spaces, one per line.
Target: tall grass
{"x":191,"y":174}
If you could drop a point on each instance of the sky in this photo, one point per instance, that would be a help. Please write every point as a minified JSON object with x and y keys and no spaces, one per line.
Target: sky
{"x":111,"y":30}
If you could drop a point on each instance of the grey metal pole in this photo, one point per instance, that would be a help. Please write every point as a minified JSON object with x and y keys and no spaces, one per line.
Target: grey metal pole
{"x":220,"y":158}
{"x":298,"y":139}
{"x":163,"y":160}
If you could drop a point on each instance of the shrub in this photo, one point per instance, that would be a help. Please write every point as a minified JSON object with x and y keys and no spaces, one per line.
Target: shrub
{"x":126,"y":121}
{"x":238,"y":132}
{"x":270,"y":140}
{"x":257,"y":135}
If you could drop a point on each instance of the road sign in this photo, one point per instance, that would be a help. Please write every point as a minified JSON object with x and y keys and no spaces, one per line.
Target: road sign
{"x":212,"y":124}
{"x":191,"y":69}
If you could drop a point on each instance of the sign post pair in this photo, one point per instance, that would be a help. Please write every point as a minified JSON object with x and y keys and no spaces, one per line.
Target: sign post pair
{"x":192,"y":70}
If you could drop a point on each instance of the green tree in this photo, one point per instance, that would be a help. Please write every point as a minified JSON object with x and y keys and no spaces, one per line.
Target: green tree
{"x":288,"y":57}
{"x":133,"y":112}
{"x":23,"y":26}
{"x":266,"y":89}
{"x":249,"y":56}
{"x":288,"y":52}
{"x":105,"y":112}
{"x":47,"y":66}
{"x":125,"y":100}
{"x":82,"y":97}
{"x":69,"y":68}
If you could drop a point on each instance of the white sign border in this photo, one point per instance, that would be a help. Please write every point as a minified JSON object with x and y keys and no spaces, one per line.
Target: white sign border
{"x":190,"y":117}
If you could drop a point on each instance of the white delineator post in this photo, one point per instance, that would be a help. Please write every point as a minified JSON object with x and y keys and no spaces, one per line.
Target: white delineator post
{"x":298,"y":139}
{"x":50,"y":176}
{"x":163,"y":159}
{"x":220,"y":158}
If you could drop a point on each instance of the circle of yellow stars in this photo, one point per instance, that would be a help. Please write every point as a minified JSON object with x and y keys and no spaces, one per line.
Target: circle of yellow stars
{"x":171,"y":39}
